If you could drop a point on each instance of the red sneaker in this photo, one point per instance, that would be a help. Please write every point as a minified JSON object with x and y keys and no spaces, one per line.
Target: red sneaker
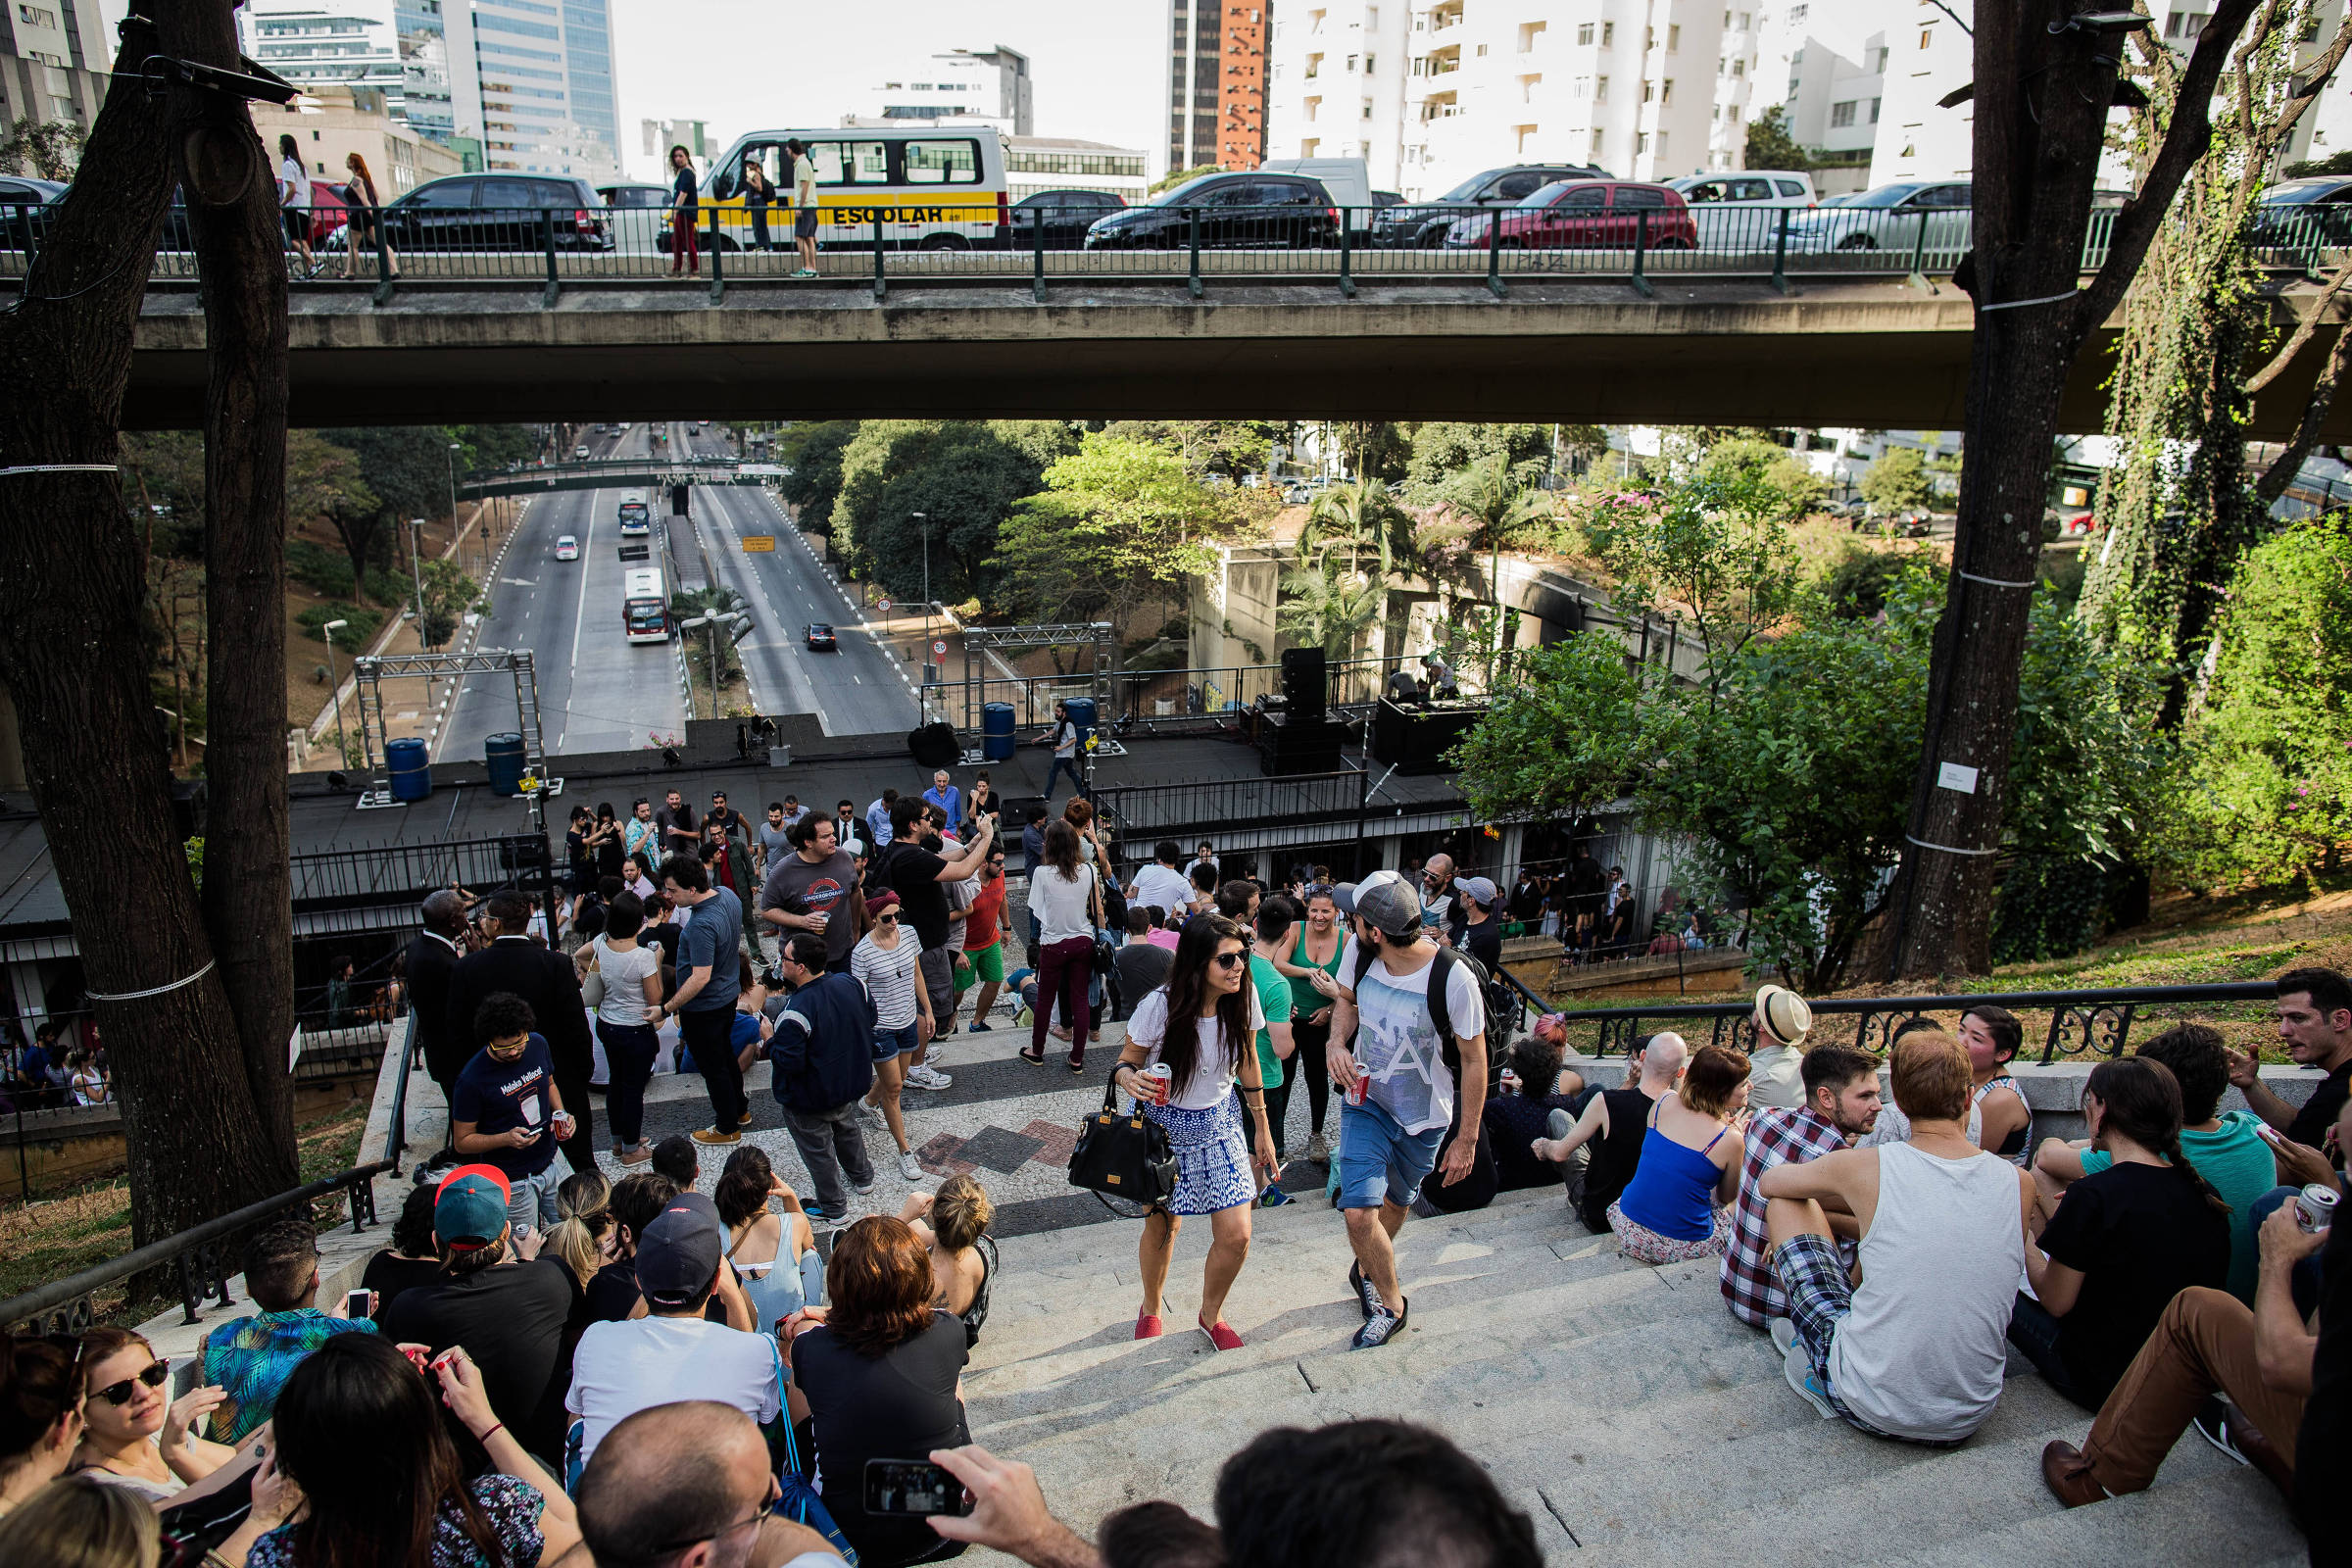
{"x":1146,"y":1325}
{"x":1220,"y":1335}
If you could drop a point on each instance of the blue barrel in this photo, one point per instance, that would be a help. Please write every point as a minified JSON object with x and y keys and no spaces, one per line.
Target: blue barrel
{"x":411,"y":772}
{"x":1082,"y":714}
{"x":503,"y":755}
{"x":996,"y":731}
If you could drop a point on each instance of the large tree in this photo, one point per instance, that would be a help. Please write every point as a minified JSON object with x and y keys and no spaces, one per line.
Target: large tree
{"x":196,"y":994}
{"x":2046,"y":78}
{"x":962,"y":478}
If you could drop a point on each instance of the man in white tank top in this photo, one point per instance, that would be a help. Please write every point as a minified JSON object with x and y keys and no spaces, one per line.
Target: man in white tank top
{"x":1917,"y":1350}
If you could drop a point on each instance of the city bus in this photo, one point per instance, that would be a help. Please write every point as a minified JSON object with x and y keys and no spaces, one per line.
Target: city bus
{"x":934,"y":188}
{"x":644,"y":606}
{"x":635,"y":519}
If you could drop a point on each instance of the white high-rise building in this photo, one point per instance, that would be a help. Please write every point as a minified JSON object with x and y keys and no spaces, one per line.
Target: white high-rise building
{"x":1824,"y":62}
{"x":971,"y":86}
{"x":1430,"y":94}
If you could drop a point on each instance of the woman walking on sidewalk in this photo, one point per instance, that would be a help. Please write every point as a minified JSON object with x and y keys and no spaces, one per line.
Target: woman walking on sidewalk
{"x":1202,"y":1027}
{"x":1063,"y":896}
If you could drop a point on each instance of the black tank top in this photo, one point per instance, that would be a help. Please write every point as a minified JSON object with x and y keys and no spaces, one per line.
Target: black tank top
{"x":1614,"y":1154}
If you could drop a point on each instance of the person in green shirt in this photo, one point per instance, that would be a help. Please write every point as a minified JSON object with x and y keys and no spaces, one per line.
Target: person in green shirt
{"x":1275,"y":919}
{"x":2225,"y":1149}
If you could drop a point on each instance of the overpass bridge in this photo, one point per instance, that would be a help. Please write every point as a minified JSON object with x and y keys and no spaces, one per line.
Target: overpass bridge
{"x":615,"y":473}
{"x":1876,"y":339}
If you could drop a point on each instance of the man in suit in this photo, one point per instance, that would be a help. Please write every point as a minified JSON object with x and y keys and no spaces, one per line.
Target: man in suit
{"x":433,"y":956}
{"x":545,"y":979}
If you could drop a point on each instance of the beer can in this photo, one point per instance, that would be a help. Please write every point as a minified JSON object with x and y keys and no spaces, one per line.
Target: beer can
{"x":2315,"y":1206}
{"x":1355,"y":1090}
{"x":1160,"y":1077}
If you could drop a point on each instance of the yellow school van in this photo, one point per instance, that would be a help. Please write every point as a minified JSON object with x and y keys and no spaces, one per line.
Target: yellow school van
{"x":932,"y":189}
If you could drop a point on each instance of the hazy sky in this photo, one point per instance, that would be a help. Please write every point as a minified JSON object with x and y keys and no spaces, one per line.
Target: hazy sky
{"x":1098,"y":66}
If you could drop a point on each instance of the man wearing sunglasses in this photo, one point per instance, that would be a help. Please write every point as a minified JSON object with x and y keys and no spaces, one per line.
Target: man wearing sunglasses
{"x":690,"y":1483}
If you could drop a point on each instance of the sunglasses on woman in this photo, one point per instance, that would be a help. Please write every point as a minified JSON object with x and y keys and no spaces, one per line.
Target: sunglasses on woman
{"x":1231,"y":960}
{"x":119,"y":1393}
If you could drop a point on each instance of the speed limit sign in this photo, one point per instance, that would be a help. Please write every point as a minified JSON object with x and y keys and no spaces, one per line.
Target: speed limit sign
{"x":885,"y":605}
{"x":939,"y":648}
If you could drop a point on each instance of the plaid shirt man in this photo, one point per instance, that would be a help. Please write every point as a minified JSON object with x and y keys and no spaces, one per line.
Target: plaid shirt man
{"x":1775,"y":1137}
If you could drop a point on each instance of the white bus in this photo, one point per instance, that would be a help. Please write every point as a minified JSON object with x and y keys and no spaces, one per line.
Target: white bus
{"x":644,"y":606}
{"x":635,"y":517}
{"x":933,"y":188}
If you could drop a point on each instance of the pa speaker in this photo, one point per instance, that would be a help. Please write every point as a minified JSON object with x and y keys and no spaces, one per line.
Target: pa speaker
{"x":1303,"y":682}
{"x":935,"y":745}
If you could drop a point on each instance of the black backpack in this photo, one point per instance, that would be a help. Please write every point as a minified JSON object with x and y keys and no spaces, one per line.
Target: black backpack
{"x":1498,"y":1049}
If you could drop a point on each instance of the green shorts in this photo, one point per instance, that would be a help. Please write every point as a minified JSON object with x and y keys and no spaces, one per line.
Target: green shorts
{"x":988,"y":964}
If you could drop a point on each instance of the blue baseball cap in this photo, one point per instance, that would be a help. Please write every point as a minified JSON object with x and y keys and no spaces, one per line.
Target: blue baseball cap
{"x":469,"y":1210}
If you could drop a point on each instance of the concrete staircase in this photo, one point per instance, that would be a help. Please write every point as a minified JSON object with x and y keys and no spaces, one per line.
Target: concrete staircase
{"x":1621,"y":1406}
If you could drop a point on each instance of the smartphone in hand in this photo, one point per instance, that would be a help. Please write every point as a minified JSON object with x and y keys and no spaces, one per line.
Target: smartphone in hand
{"x":912,"y":1488}
{"x":355,"y":1303}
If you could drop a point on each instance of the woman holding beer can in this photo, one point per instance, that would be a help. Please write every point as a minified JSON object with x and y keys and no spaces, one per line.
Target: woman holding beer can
{"x":1187,"y":1045}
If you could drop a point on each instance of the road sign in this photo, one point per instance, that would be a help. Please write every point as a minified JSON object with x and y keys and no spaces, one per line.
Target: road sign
{"x":939,"y":648}
{"x":759,"y":544}
{"x":885,"y":605}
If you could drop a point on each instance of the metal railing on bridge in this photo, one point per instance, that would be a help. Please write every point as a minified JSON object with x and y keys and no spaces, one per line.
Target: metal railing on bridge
{"x":1579,"y":237}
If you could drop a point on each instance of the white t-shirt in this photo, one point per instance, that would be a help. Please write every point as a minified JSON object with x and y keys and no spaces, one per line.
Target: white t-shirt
{"x":1062,"y":905}
{"x":1213,"y":1072}
{"x":625,"y":981}
{"x":294,"y":184}
{"x":1164,"y":886}
{"x":1397,"y":1045}
{"x":622,"y":1368}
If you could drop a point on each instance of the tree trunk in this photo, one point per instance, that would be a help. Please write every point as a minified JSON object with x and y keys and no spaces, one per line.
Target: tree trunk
{"x":2041,"y":100}
{"x":240,"y":259}
{"x":94,"y":750}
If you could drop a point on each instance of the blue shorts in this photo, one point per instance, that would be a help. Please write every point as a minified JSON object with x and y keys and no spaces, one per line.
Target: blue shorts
{"x":1379,"y":1160}
{"x":892,"y":1044}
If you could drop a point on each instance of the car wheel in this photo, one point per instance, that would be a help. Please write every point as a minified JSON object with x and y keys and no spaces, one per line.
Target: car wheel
{"x":1858,"y":242}
{"x":1671,"y":245}
{"x":944,"y":242}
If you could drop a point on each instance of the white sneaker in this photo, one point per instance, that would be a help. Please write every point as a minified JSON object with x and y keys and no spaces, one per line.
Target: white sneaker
{"x":911,"y":1167}
{"x":872,"y":1116}
{"x":926,"y":1076}
{"x":1798,"y":1368}
{"x":1783,"y":1334}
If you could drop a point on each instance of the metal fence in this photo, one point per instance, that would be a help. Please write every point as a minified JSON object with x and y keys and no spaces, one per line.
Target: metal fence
{"x":1157,"y":702}
{"x":551,"y":249}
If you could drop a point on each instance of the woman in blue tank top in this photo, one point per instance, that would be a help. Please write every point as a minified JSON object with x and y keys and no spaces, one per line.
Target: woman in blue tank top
{"x":1677,"y":1205}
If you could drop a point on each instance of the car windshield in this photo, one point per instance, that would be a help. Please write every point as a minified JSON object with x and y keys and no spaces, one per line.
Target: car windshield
{"x":2299,"y":192}
{"x":1181,"y":193}
{"x":1884,"y":196}
{"x":1546,"y":195}
{"x":1465,"y":191}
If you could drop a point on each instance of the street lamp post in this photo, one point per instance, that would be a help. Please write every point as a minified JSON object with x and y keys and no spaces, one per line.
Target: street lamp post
{"x":417,"y":573}
{"x":334,"y":689}
{"x":923,"y":663}
{"x":453,"y":489}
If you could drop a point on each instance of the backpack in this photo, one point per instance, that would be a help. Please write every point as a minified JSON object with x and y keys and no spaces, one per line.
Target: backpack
{"x":1498,"y":1049}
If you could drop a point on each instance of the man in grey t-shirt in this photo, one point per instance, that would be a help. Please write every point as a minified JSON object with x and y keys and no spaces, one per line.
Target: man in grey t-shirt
{"x":813,"y":887}
{"x":709,"y":979}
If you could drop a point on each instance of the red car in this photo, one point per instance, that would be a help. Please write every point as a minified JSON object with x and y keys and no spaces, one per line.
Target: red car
{"x":1584,"y":214}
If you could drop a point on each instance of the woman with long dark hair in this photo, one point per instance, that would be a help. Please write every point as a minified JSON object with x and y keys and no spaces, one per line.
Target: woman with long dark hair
{"x":605,"y":838}
{"x":1202,"y":1027}
{"x":1063,"y":896}
{"x":2122,"y":1243}
{"x":881,"y":1373}
{"x":366,"y":1475}
{"x":40,"y":1412}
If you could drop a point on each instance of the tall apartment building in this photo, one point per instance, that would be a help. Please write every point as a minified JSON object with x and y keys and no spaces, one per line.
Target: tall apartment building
{"x":988,"y":87}
{"x":1827,"y":62}
{"x":56,"y":57}
{"x":1217,"y":83}
{"x":1425,"y":96}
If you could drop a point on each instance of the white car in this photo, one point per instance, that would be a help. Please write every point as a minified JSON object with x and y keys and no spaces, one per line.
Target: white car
{"x":567,"y":548}
{"x":1741,"y":212}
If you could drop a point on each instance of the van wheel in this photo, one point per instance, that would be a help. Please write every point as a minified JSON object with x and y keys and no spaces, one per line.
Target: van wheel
{"x":944,"y":242}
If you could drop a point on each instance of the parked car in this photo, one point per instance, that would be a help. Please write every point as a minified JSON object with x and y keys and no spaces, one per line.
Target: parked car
{"x":2302,"y":213}
{"x":1424,"y":224}
{"x":498,"y":213}
{"x":1887,"y":217}
{"x":1235,"y":209}
{"x":820,"y":637}
{"x":637,"y":216}
{"x":1584,"y":214}
{"x":567,"y":548}
{"x":1065,"y":215}
{"x":24,"y":211}
{"x":1386,"y":199}
{"x":1742,"y":210}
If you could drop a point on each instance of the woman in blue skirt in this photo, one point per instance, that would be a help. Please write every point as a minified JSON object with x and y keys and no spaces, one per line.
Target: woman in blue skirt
{"x":1202,"y":1027}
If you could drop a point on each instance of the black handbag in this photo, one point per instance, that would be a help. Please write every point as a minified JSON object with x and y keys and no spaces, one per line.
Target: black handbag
{"x":1126,"y":1157}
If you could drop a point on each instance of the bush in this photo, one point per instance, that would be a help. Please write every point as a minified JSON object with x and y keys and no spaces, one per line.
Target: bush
{"x":1858,"y":584}
{"x":365,"y":623}
{"x":318,"y":568}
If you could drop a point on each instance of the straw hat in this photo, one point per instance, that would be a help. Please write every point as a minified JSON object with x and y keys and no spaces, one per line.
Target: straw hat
{"x":1783,"y":1015}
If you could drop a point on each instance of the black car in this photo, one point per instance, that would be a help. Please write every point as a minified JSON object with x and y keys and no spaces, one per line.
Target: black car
{"x":24,"y":211}
{"x":1258,"y":209}
{"x":1424,"y":224}
{"x":498,"y":212}
{"x":2299,"y":213}
{"x":820,"y":636}
{"x":1065,"y":215}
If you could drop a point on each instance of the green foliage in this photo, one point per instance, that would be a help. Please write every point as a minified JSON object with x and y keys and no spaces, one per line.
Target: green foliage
{"x":1769,"y":144}
{"x":318,"y":569}
{"x":1120,"y":523}
{"x":365,"y":623}
{"x":45,"y":149}
{"x":811,"y":451}
{"x":1177,"y":176}
{"x":449,"y":596}
{"x":1897,"y":481}
{"x":1374,"y":449}
{"x":492,"y":446}
{"x":1362,"y":521}
{"x":1792,"y":491}
{"x":1231,"y":447}
{"x":2266,"y":790}
{"x":963,"y":477}
{"x":2337,"y":164}
{"x":1330,"y":606}
{"x":1442,"y":450}
{"x":407,"y":466}
{"x":1857,"y":584}
{"x":166,"y":469}
{"x":1565,"y":738}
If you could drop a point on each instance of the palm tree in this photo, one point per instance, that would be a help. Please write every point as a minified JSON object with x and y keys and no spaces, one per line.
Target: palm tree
{"x":1499,"y":508}
{"x":1331,"y":608}
{"x":718,"y":652}
{"x":1363,"y":516}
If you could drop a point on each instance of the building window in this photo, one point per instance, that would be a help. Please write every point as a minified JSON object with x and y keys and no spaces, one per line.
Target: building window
{"x":1367,"y":109}
{"x":1608,"y":34}
{"x":1530,"y":31}
{"x":1600,"y":89}
{"x":1649,"y":89}
{"x":1842,"y":115}
{"x":1666,"y":93}
{"x":1641,"y":142}
{"x":1482,"y":48}
{"x":1583,"y":33}
{"x":1797,"y":13}
{"x":1738,"y":68}
{"x":1874,"y":110}
{"x":1368,"y":65}
{"x":1596,"y":140}
{"x":1926,"y":37}
{"x":1674,"y":39}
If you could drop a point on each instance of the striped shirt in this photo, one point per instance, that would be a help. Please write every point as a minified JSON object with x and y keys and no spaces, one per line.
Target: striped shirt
{"x":889,"y":975}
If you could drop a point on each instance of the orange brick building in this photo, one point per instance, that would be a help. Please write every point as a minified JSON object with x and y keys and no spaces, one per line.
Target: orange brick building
{"x":1217,"y":83}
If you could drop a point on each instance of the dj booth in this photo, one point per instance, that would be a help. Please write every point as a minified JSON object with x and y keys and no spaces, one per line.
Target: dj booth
{"x":1414,"y":737}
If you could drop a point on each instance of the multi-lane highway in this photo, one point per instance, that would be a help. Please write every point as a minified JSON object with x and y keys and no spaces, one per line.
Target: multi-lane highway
{"x":599,"y":693}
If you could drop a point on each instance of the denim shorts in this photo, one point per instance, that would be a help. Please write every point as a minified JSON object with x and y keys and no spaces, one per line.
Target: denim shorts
{"x":892,"y":1044}
{"x":1379,"y":1160}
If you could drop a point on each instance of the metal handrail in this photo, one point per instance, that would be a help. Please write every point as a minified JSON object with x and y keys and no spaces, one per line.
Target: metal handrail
{"x":63,"y":1305}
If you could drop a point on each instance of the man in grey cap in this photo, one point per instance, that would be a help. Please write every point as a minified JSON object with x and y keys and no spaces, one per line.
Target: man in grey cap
{"x":1482,"y":923}
{"x":1419,"y":1028}
{"x":673,"y":1352}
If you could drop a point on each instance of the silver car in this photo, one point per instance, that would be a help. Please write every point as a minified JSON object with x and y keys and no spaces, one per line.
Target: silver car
{"x":1890,"y":217}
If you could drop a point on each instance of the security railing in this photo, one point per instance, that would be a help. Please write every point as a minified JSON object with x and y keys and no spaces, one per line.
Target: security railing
{"x":1578,"y":233}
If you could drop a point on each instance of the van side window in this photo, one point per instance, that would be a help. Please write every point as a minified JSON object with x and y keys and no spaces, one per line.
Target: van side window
{"x":943,"y":163}
{"x":850,"y":163}
{"x":1791,"y":187}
